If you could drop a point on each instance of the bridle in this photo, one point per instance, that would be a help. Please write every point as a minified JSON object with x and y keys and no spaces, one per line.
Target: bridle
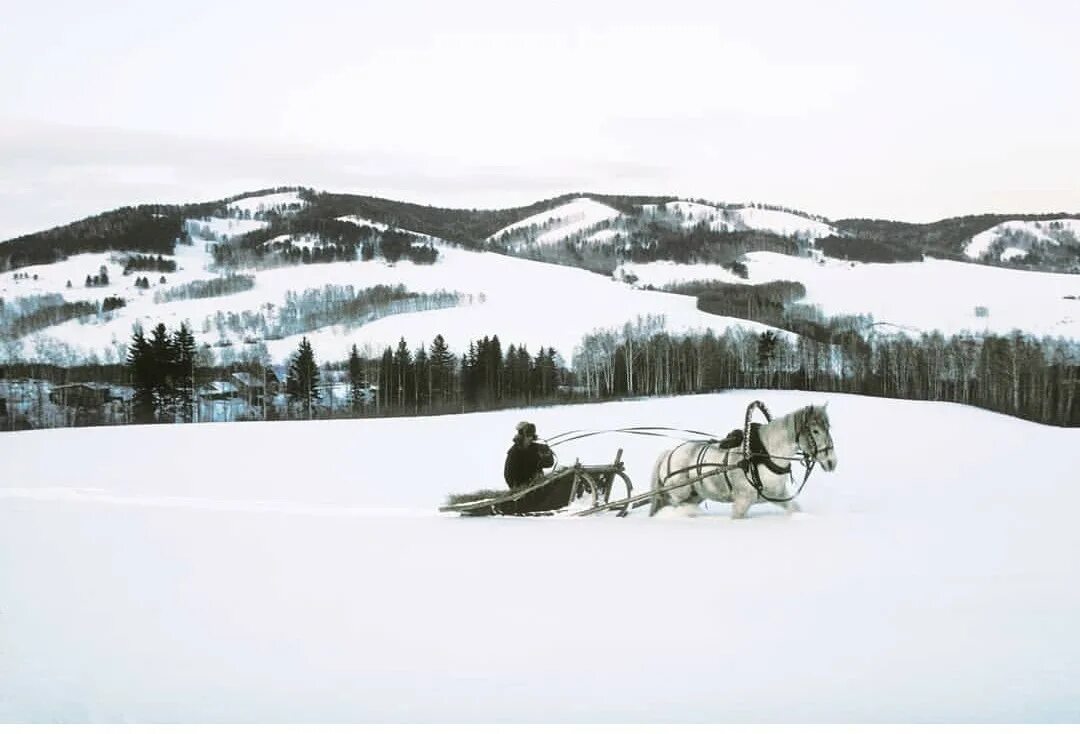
{"x":807,"y":428}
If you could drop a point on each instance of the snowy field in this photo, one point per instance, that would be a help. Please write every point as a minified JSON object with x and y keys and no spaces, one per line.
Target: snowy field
{"x":299,"y":572}
{"x":522,"y":301}
{"x":920,"y":296}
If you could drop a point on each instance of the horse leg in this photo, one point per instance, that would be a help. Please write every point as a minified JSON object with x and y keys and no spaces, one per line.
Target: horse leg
{"x":659,"y":500}
{"x":788,"y":502}
{"x":675,"y":498}
{"x":741,"y":502}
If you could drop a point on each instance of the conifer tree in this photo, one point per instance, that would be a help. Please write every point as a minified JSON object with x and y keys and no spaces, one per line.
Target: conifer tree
{"x":139,"y":362}
{"x":163,"y":371}
{"x":356,"y":378}
{"x":184,"y":371}
{"x":302,"y":383}
{"x":404,"y":376}
{"x":421,"y":379}
{"x":442,"y":369}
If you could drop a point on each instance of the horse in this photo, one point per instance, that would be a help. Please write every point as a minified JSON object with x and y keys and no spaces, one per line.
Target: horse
{"x":745,"y":472}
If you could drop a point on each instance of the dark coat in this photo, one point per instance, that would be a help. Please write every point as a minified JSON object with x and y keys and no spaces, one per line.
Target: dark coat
{"x":525,"y":464}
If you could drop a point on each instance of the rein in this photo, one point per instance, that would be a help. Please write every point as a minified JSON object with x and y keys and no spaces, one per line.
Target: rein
{"x":656,"y":431}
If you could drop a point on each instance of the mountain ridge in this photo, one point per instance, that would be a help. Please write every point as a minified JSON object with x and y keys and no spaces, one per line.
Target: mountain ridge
{"x":153,"y":228}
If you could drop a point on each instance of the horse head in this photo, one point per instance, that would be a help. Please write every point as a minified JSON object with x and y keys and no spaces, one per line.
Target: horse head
{"x":812,"y":435}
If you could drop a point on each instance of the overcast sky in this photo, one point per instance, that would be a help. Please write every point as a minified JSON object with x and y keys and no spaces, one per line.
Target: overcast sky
{"x":906,"y":110}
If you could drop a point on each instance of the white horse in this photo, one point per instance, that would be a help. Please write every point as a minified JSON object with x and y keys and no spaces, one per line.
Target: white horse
{"x":715,"y":470}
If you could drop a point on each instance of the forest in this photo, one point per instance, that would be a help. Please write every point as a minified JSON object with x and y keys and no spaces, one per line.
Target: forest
{"x":1033,"y":379}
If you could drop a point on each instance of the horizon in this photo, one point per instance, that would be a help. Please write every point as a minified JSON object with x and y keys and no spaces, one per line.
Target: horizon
{"x":912,"y":114}
{"x":526,"y":203}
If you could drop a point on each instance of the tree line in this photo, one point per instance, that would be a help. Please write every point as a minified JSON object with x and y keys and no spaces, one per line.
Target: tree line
{"x":482,"y":377}
{"x":1035,"y":379}
{"x":140,"y":263}
{"x":150,"y":228}
{"x":223,"y":286}
{"x":34,"y":313}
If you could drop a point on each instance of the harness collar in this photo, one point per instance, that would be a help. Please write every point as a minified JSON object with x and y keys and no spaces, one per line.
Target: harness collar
{"x":759,"y":455}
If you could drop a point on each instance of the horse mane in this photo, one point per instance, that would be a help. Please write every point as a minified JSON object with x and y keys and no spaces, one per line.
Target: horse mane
{"x":811,"y":414}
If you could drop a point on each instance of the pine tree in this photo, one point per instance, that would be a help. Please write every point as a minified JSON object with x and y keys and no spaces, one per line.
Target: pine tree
{"x":511,"y":389}
{"x":469,"y":383}
{"x":387,"y":381}
{"x":544,"y":373}
{"x":139,"y":362}
{"x":356,"y":378}
{"x":184,"y":371}
{"x":302,"y":383}
{"x":163,"y":371}
{"x":422,"y":379}
{"x":404,"y":374}
{"x":442,"y":368}
{"x":493,"y":371}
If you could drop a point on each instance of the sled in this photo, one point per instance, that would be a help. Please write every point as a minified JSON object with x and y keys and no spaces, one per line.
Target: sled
{"x":581,"y":489}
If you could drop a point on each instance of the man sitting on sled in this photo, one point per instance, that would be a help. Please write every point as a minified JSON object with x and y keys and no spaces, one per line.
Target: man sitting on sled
{"x":527,"y":458}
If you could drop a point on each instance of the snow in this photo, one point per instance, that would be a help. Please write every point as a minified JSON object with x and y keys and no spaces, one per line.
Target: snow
{"x":364,"y":222}
{"x":269,"y":202}
{"x":604,"y":235}
{"x":53,"y":278}
{"x":537,"y":303}
{"x":783,"y":223}
{"x":927,"y":295}
{"x":229,"y":227}
{"x":689,"y":209}
{"x":382,"y":227}
{"x":162,"y":574}
{"x":522,"y":301}
{"x":563,"y":221}
{"x":1041,"y":231}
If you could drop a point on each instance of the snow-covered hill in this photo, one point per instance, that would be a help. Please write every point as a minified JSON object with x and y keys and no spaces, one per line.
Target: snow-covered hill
{"x":299,"y":572}
{"x":583,"y":216}
{"x":730,"y":219}
{"x":944,"y":295}
{"x":266,"y":203}
{"x":1014,"y":239}
{"x":525,"y":301}
{"x":522,"y":301}
{"x":558,"y":223}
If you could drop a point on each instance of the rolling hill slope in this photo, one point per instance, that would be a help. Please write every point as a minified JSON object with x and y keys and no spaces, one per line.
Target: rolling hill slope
{"x":522,"y":299}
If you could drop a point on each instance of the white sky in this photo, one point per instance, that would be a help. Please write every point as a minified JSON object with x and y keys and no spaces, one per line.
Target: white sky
{"x":915,"y":110}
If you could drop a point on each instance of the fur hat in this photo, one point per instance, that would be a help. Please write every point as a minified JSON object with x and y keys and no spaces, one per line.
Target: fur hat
{"x":524,"y":428}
